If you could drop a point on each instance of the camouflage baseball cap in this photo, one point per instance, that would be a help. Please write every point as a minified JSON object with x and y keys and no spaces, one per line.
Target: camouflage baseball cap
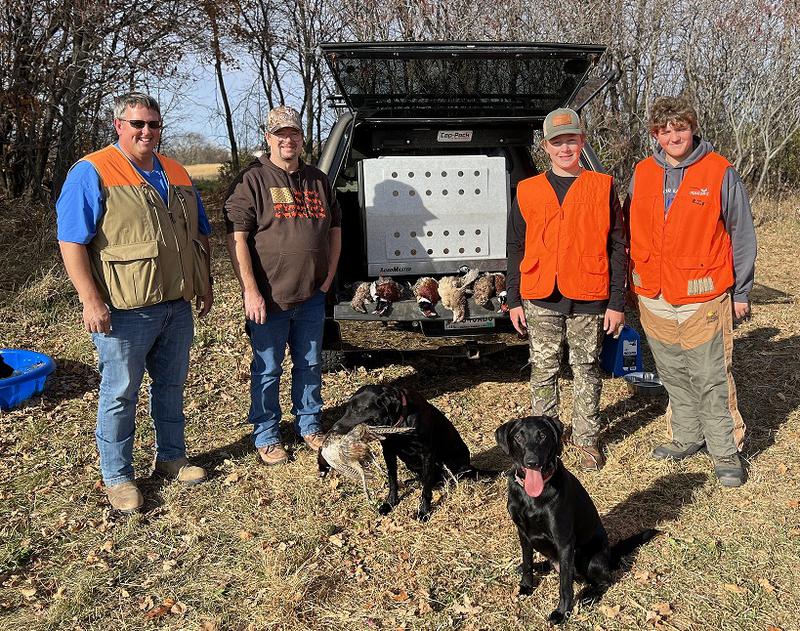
{"x":561,"y":121}
{"x":281,"y":117}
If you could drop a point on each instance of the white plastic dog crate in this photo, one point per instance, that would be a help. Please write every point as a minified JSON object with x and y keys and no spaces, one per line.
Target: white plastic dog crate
{"x":434,"y":214}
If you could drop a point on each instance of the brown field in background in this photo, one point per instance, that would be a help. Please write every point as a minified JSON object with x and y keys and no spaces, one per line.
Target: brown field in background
{"x":208,"y":171}
{"x":257,"y":548}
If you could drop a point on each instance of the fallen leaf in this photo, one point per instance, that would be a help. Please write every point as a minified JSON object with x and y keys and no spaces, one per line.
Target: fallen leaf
{"x":772,"y":627}
{"x":161,"y":610}
{"x":769,"y":587}
{"x":179,"y":609}
{"x":399,"y":595}
{"x":337,"y":540}
{"x":245,"y":535}
{"x":794,"y":532}
{"x":28,"y":592}
{"x":793,"y":503}
{"x":233,"y":478}
{"x":169,"y":565}
{"x":108,"y":546}
{"x":610,"y":612}
{"x":208,"y":625}
{"x":664,"y":609}
{"x":146,"y":603}
{"x":734,"y":589}
{"x":783,"y":469}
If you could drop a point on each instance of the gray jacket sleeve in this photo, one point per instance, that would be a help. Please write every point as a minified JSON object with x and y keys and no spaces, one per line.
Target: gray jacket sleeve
{"x":738,"y":218}
{"x":515,"y":250}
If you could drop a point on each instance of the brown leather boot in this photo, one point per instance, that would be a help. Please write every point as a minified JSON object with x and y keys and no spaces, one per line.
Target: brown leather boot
{"x":591,"y":457}
{"x":125,"y":497}
{"x":273,"y":454}
{"x":181,"y":471}
{"x":314,"y":441}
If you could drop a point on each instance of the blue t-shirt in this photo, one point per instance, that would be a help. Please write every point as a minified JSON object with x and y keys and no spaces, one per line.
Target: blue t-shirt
{"x":80,"y":205}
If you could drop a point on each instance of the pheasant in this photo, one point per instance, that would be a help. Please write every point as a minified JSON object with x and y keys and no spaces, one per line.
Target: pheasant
{"x":426,"y":291}
{"x":360,"y":297}
{"x":483,"y":290}
{"x":352,"y":455}
{"x":453,"y":290}
{"x":384,"y":292}
{"x":500,"y":291}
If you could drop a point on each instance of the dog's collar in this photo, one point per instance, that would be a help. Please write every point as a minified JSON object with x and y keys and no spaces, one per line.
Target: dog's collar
{"x":545,"y":478}
{"x":403,"y":409}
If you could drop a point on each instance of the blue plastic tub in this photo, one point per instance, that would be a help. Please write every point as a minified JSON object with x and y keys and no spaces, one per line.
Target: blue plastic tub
{"x":30,"y":374}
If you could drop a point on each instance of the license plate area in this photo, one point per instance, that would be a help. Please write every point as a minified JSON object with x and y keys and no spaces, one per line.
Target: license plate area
{"x":474,"y":323}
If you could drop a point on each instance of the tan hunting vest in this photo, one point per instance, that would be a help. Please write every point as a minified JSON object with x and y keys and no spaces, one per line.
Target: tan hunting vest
{"x":145,"y":252}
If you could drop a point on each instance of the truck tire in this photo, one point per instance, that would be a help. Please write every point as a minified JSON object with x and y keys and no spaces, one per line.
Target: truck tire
{"x":333,"y":360}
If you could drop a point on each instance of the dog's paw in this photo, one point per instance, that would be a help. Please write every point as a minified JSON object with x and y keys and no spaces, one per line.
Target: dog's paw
{"x":385,"y":508}
{"x":525,"y":589}
{"x":557,"y":617}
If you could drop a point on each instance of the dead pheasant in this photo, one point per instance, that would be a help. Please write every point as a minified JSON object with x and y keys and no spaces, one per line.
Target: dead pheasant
{"x":483,"y":290}
{"x":500,"y":291}
{"x":360,"y":297}
{"x":352,"y":455}
{"x":453,"y":291}
{"x":384,"y":292}
{"x":426,"y":291}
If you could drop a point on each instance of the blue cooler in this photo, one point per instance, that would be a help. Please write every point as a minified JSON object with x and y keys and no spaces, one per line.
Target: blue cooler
{"x":622,"y":355}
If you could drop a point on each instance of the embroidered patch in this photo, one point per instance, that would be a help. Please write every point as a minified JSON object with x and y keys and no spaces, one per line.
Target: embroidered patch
{"x":281,"y":195}
{"x":561,"y":120}
{"x":637,"y":280}
{"x":700,"y":286}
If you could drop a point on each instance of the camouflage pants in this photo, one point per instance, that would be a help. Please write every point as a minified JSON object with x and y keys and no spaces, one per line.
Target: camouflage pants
{"x":547,"y":330}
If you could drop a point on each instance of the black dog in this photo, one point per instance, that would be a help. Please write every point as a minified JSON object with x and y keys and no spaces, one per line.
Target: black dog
{"x":433,"y":444}
{"x":555,"y":516}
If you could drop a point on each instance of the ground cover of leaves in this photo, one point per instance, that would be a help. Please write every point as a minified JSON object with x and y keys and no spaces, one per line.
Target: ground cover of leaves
{"x":258,"y":548}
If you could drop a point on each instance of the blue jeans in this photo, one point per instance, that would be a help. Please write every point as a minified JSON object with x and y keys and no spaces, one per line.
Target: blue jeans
{"x":155,"y":338}
{"x":300,"y":327}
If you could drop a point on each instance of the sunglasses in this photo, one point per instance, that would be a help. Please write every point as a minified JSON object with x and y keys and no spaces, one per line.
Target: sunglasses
{"x":139,"y":124}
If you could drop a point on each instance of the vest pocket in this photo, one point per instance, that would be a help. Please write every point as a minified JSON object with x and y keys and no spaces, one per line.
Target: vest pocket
{"x":131,"y":274}
{"x":594,"y":275}
{"x":298,"y":275}
{"x":530,"y":270}
{"x":202,"y":268}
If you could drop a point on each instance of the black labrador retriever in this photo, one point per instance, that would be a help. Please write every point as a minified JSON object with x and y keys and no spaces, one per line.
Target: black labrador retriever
{"x":555,"y":516}
{"x":432,"y":446}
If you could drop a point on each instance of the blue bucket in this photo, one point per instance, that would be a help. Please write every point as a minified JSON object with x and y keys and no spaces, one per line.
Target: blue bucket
{"x":30,"y":374}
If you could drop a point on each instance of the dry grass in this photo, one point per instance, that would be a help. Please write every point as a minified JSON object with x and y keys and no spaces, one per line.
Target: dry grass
{"x":208,"y":171}
{"x":259,"y":548}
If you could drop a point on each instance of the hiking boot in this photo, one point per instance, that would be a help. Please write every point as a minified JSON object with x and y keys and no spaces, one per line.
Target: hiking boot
{"x":125,"y":497}
{"x":591,"y":458}
{"x":314,"y":441}
{"x":273,"y":454}
{"x":674,"y":450}
{"x":181,"y":470}
{"x":729,"y":470}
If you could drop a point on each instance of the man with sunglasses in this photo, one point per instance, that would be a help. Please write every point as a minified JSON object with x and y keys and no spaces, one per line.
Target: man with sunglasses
{"x":134,"y":238}
{"x":284,"y":238}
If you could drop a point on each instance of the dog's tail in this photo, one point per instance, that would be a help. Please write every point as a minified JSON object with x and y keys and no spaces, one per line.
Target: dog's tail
{"x":626,"y":546}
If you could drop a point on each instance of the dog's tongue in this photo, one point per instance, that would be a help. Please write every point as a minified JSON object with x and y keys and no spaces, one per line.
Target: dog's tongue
{"x":534,"y":482}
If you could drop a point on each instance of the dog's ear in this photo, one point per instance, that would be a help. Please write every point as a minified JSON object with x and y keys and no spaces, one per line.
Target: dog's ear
{"x":503,"y":435}
{"x":558,"y":428}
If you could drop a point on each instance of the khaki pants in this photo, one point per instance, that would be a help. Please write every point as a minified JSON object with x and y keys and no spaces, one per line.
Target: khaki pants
{"x":693,"y":347}
{"x":584,"y":333}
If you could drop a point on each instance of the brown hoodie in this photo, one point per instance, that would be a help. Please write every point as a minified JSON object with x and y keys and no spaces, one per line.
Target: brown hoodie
{"x":287,"y":217}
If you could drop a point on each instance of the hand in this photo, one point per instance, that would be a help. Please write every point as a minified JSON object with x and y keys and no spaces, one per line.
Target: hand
{"x":96,"y":316}
{"x":203,"y":303}
{"x":326,"y":285}
{"x":255,"y":309}
{"x":517,"y":315}
{"x":613,"y":322}
{"x":741,"y":310}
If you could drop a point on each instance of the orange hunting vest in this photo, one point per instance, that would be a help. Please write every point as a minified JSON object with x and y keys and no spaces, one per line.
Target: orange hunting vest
{"x":566,"y":243}
{"x":145,"y":251}
{"x":686,"y":256}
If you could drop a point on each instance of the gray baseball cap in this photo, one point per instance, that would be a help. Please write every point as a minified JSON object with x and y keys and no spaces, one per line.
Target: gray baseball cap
{"x":283,"y":116}
{"x":561,"y":121}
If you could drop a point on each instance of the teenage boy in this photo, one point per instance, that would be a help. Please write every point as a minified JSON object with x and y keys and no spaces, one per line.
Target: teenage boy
{"x":566,"y":276}
{"x":692,"y":243}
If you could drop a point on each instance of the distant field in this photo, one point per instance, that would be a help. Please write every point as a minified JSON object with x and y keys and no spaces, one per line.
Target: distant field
{"x":209,"y":171}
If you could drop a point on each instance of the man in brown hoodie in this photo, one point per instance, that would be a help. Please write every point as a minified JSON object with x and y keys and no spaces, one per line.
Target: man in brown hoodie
{"x":284,"y":239}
